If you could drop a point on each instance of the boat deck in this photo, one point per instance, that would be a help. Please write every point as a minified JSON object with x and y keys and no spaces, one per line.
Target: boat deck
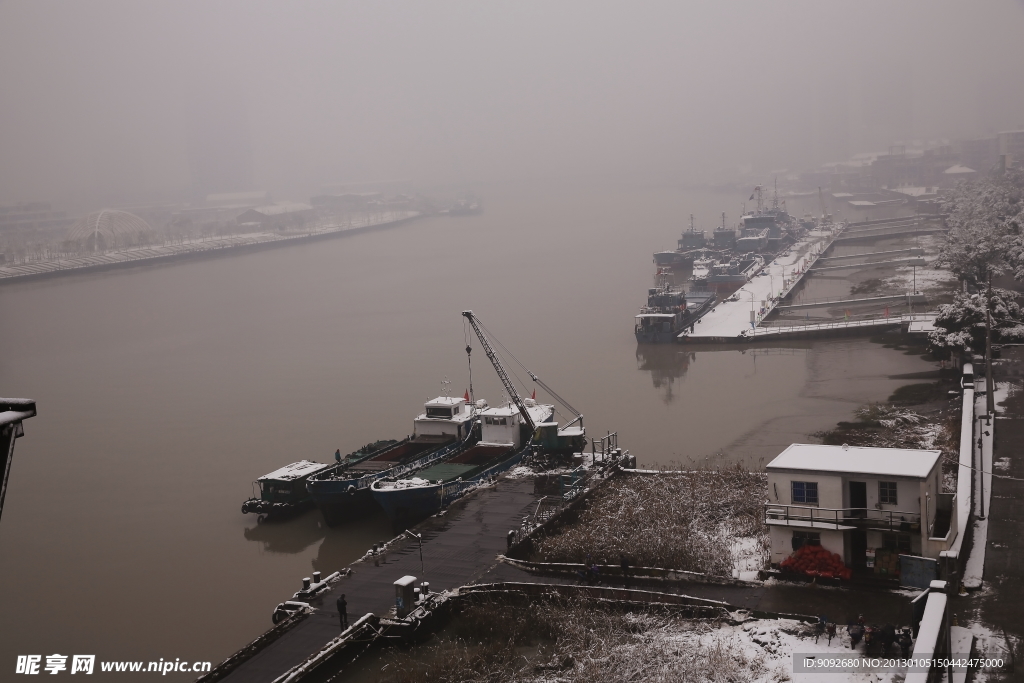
{"x":393,"y":456}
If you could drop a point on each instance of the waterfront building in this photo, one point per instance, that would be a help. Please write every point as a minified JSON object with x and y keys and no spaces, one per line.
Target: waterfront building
{"x":277,"y":216}
{"x":856,"y":501}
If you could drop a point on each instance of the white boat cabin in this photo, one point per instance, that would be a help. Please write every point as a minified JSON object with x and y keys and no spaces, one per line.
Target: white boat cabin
{"x":854,"y":500}
{"x":501,"y":425}
{"x":445,"y":416}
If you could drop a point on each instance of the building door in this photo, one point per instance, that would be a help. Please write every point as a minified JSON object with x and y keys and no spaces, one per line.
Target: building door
{"x":858,"y":499}
{"x":858,"y":548}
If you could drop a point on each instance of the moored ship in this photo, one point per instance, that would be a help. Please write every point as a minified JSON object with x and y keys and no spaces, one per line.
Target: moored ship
{"x":342,"y":492}
{"x":505,"y":437}
{"x":668,"y":312}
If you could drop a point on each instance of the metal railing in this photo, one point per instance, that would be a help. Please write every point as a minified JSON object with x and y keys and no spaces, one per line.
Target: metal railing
{"x":776,"y":326}
{"x":873,"y":518}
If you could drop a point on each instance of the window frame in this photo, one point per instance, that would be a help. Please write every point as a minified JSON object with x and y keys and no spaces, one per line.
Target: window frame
{"x":805,"y":538}
{"x":806,"y":487}
{"x":890,"y":487}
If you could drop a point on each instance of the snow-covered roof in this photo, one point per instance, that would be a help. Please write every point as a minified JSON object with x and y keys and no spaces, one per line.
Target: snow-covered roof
{"x":445,"y":401}
{"x":282,"y":208}
{"x":297,"y":470}
{"x":657,"y":315}
{"x":959,"y":168}
{"x":539,"y":412}
{"x":894,"y":462}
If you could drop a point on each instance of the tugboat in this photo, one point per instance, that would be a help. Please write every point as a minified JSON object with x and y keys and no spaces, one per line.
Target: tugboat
{"x":507,"y":434}
{"x":668,"y":312}
{"x":342,"y":492}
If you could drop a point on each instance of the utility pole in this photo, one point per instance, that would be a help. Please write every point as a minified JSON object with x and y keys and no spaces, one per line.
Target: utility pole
{"x":990,"y":399}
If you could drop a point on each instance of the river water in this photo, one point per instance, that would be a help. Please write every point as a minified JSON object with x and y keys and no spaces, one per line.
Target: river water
{"x":164,"y":391}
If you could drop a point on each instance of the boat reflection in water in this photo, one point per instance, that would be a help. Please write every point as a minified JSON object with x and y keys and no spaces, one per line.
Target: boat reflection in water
{"x":339,"y":546}
{"x":666,"y":363}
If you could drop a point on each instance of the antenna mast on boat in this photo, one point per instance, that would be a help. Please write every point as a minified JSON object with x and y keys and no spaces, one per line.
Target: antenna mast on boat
{"x":502,"y":375}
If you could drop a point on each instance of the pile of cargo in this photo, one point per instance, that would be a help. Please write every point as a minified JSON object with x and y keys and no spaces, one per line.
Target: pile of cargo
{"x":814,"y":560}
{"x":883,"y":561}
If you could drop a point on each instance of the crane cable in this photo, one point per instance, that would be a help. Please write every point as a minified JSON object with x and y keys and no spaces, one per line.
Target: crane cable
{"x":534,"y":377}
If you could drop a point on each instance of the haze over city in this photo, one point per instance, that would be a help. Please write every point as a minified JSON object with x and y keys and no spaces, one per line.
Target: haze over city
{"x":122,"y":102}
{"x":575,"y":341}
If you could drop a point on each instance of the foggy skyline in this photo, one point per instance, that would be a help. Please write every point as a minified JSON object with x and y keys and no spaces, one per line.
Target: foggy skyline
{"x":119,"y":101}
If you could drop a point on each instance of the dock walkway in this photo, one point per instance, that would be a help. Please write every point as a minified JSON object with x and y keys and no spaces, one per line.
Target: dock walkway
{"x":459,"y":548}
{"x":462,"y":548}
{"x":763,"y":292}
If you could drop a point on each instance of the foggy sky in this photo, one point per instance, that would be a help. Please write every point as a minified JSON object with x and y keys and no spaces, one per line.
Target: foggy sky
{"x":104,"y":101}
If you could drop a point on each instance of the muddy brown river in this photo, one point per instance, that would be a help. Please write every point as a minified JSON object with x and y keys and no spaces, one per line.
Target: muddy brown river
{"x":164,"y":391}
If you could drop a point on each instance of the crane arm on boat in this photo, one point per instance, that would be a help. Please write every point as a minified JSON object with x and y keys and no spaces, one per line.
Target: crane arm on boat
{"x":502,"y":375}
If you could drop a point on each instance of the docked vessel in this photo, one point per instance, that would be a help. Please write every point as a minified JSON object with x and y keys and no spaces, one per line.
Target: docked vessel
{"x":737,"y":269}
{"x":505,"y":437}
{"x":507,"y":434}
{"x":690,"y":245}
{"x":283,"y":491}
{"x":342,"y":491}
{"x":701,"y":269}
{"x":669,"y":311}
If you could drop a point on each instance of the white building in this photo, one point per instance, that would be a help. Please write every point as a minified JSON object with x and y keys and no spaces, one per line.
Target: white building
{"x":853,"y":499}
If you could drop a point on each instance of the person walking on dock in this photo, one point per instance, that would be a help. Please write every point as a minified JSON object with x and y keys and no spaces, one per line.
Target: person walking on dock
{"x":343,"y":611}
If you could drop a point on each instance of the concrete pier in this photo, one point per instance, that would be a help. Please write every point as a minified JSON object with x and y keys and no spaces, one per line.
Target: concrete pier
{"x":763,"y":292}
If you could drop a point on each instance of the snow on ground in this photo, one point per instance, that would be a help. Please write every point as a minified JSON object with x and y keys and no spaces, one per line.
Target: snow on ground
{"x":1002,"y":392}
{"x":975,"y":569}
{"x":988,"y":644}
{"x":748,"y":557}
{"x":1002,"y":464}
{"x":768,"y":646}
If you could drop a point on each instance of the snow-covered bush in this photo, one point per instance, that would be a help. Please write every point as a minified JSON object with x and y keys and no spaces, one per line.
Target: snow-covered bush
{"x":687,"y":521}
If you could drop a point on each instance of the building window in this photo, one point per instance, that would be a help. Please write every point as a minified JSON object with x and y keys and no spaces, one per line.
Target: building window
{"x":802,"y":538}
{"x":887,"y":492}
{"x":805,"y":492}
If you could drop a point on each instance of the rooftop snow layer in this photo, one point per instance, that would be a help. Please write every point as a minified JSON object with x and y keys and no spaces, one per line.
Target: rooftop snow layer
{"x":297,"y":470}
{"x":896,"y":462}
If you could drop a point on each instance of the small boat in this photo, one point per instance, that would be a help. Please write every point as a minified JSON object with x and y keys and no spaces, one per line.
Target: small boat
{"x":504,"y":440}
{"x":342,"y":492}
{"x":283,"y":491}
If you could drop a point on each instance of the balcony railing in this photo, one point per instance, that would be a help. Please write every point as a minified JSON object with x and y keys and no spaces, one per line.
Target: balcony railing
{"x":871,"y":518}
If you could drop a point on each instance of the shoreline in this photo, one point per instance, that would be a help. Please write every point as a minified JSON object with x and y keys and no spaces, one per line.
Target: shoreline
{"x":191,"y":251}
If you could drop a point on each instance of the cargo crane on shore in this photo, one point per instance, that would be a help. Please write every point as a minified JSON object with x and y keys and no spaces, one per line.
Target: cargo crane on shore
{"x":507,"y":381}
